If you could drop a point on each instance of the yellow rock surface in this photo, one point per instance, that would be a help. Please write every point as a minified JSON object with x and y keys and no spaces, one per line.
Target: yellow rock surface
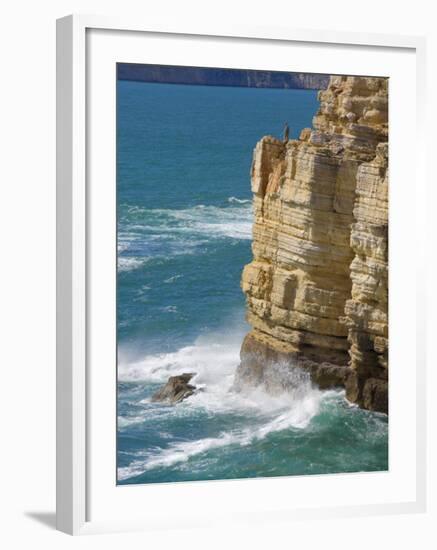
{"x":317,"y":286}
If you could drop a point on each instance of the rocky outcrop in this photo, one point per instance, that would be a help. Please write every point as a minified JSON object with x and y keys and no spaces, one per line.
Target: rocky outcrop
{"x":366,"y":312}
{"x":221,"y":77}
{"x":176,"y":389}
{"x":317,"y":286}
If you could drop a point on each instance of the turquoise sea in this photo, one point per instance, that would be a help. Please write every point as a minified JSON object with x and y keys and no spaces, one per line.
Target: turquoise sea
{"x":184,"y":234}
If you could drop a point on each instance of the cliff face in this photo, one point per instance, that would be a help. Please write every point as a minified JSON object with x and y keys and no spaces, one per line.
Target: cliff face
{"x":317,"y":286}
{"x":221,"y":77}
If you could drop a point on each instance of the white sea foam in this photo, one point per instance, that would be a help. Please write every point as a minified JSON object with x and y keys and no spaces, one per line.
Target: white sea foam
{"x":125,"y":239}
{"x":289,"y":415}
{"x":128,"y":263}
{"x":172,"y":279}
{"x":159,"y":234}
{"x":125,"y":421}
{"x":233,"y":230}
{"x":208,"y":358}
{"x":169,"y":309}
{"x":239,"y":201}
{"x":213,"y":221}
{"x":122,"y":247}
{"x":208,"y":221}
{"x":214,"y":360}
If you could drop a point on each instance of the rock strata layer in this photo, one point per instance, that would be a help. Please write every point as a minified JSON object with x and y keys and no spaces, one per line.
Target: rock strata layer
{"x":317,"y":294}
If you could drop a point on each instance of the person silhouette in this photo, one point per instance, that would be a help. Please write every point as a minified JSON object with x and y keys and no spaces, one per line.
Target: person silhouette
{"x":286,"y":132}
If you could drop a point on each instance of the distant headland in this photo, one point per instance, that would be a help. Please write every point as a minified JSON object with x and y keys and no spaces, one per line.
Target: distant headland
{"x":206,"y":76}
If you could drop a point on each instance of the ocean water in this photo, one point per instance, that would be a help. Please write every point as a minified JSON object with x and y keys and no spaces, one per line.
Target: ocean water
{"x":184,"y":235}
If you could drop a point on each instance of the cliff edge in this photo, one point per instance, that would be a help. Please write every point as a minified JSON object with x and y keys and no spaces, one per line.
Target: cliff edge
{"x":317,"y":293}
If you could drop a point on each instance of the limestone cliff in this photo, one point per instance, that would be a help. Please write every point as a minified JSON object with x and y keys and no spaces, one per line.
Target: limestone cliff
{"x":316,"y":289}
{"x":209,"y":76}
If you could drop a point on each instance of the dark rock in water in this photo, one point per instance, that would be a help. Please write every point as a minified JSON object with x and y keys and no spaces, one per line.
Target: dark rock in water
{"x":176,"y":389}
{"x":325,"y":375}
{"x":276,"y":371}
{"x":259,"y":366}
{"x":375,"y":395}
{"x":369,"y":393}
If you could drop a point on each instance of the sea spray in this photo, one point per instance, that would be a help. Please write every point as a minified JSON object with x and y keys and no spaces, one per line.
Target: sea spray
{"x":219,"y":422}
{"x":254,"y":414}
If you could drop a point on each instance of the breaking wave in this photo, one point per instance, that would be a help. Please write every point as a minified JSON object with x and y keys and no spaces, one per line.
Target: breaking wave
{"x":182,"y":452}
{"x":128,"y":263}
{"x":214,"y":360}
{"x":163,"y":233}
{"x":238,"y":201}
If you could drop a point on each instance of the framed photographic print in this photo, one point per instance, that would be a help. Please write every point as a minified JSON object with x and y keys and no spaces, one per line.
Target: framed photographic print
{"x":232,"y":213}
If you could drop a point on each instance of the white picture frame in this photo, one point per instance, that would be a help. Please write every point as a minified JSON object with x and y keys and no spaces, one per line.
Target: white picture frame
{"x":74,"y":280}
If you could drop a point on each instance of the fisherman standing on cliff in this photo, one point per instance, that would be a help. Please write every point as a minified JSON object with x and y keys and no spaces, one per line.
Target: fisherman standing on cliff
{"x":286,"y":132}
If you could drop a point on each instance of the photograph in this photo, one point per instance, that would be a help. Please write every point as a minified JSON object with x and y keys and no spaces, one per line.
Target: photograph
{"x":252,"y":273}
{"x":219,"y":237}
